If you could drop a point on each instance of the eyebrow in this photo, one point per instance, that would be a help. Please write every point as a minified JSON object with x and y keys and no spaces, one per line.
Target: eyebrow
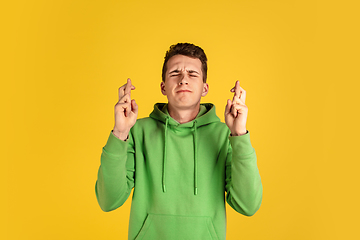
{"x":174,"y":71}
{"x":193,"y":71}
{"x":189,"y":71}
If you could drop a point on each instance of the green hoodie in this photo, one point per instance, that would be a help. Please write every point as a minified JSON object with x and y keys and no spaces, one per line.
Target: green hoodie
{"x":179,"y":173}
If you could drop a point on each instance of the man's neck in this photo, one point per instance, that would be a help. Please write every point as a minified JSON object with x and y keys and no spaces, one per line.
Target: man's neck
{"x":184,"y":115}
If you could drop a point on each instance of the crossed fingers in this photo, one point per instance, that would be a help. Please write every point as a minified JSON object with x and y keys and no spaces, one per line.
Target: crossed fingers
{"x":125,"y":97}
{"x":125,"y":90}
{"x":238,"y":102}
{"x":240,"y":94}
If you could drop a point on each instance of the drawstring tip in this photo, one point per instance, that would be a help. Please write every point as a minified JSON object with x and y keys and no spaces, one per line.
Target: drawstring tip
{"x":164,"y":189}
{"x":195,"y":191}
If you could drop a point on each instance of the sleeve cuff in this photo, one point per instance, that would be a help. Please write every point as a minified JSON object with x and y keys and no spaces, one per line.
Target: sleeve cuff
{"x":241,"y":145}
{"x":115,"y":146}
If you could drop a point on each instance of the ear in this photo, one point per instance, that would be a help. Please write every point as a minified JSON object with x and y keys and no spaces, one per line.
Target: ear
{"x":162,"y":86}
{"x":205,"y":89}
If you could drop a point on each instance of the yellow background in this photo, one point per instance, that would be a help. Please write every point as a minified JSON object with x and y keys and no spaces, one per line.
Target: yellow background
{"x":63,"y":61}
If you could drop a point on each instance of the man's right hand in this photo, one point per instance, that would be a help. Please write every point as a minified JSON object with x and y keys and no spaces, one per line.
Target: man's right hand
{"x":126,"y":111}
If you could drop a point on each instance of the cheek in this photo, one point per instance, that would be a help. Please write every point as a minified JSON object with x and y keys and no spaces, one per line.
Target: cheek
{"x":167,"y":89}
{"x":170,"y":85}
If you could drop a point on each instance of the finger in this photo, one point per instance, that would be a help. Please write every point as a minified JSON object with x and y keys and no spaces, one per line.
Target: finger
{"x":132,"y":86}
{"x":239,"y":108}
{"x":233,"y":104}
{"x":121,"y":91}
{"x":237,"y":89}
{"x":127,"y":89}
{"x":242,"y":95}
{"x":125,"y":99}
{"x":128,"y":86}
{"x":233,"y":112}
{"x":125,"y":104}
{"x":124,"y":88}
{"x":123,"y":107}
{"x":238,"y":101}
{"x":127,"y":109}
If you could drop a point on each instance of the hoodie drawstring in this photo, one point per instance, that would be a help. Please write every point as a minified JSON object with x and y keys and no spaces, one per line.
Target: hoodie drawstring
{"x":164,"y":160}
{"x":195,"y":159}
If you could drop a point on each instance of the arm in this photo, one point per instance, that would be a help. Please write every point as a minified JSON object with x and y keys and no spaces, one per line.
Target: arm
{"x":243,"y":182}
{"x":117,"y":169}
{"x":116,"y":173}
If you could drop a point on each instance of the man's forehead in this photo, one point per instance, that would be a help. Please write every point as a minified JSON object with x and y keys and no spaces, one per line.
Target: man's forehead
{"x":181,"y":61}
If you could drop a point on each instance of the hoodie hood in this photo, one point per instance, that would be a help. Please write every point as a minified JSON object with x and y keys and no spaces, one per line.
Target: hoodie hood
{"x":206,"y":115}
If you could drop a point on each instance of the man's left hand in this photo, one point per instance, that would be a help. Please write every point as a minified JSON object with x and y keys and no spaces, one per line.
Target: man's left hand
{"x":236,"y":111}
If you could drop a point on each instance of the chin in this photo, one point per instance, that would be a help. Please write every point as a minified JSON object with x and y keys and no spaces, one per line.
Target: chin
{"x":185,"y":105}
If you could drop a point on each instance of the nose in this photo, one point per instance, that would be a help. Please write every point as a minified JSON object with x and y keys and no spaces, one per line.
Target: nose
{"x":184,"y":80}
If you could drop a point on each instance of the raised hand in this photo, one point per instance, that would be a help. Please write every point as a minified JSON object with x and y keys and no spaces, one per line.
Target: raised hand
{"x":236,"y":111}
{"x":126,"y":111}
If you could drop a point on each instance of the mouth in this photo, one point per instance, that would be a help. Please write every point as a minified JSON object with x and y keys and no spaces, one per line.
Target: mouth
{"x":180,"y":91}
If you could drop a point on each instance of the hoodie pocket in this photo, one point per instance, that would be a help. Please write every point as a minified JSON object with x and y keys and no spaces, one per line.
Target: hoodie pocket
{"x":177,"y":227}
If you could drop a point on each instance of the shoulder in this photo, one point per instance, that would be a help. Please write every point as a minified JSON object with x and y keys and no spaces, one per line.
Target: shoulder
{"x":146,"y":128}
{"x":144,"y":120}
{"x":219,"y":129}
{"x":145,"y":124}
{"x":217,"y":124}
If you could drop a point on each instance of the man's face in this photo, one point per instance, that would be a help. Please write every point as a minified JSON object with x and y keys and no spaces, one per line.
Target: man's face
{"x":184,"y":84}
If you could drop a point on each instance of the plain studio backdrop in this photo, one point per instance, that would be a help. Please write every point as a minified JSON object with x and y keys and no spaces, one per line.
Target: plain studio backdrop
{"x":62,"y":63}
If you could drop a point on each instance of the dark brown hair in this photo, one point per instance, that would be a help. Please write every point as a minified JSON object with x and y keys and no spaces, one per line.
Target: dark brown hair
{"x":189,"y":50}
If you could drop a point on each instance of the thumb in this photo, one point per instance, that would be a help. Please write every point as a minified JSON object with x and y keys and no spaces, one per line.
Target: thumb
{"x":134,"y":106}
{"x":228,"y":107}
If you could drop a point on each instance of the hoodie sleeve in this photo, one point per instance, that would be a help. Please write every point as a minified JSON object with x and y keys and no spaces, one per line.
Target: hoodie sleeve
{"x":243,"y":182}
{"x":116,"y":173}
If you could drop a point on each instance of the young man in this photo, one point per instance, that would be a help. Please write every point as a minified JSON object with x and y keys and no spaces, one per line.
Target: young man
{"x":181,"y":160}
